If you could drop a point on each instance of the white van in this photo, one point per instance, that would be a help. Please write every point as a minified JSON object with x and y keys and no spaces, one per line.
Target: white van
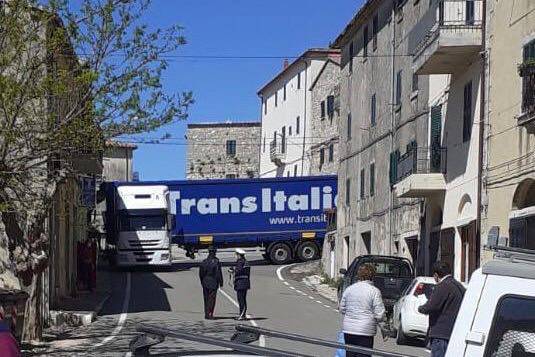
{"x":497,"y":316}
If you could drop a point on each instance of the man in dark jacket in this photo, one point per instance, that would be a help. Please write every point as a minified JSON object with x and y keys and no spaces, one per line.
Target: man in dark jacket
{"x":242,"y":281}
{"x":8,"y":344}
{"x":442,"y":307}
{"x":211,"y":279}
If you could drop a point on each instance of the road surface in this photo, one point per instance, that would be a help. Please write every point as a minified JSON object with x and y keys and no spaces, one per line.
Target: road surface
{"x":173,"y":299}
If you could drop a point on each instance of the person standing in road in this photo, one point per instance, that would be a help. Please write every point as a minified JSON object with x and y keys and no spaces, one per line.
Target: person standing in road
{"x":211,"y":278}
{"x":442,"y":307}
{"x":242,"y":281}
{"x":8,"y":344}
{"x":363,"y":308}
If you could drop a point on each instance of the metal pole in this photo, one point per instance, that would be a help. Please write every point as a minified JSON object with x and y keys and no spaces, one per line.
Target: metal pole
{"x":317,"y":341}
{"x":241,"y":347}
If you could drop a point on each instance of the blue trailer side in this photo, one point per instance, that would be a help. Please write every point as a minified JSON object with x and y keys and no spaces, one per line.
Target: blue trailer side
{"x":286,"y":216}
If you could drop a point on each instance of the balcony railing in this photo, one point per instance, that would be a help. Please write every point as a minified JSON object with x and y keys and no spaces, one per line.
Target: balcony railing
{"x":527,"y":72}
{"x":422,"y":160}
{"x":453,"y":15}
{"x":277,"y":152}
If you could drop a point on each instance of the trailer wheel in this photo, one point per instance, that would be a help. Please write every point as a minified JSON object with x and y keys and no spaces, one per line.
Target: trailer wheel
{"x":307,"y":251}
{"x":280,"y":253}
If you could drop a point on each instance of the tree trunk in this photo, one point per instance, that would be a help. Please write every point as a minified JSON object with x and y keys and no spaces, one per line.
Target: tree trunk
{"x":33,"y":317}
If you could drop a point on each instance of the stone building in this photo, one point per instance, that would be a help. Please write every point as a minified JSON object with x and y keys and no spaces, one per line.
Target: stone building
{"x":384,"y":117}
{"x":117,"y":161}
{"x":325,"y":115}
{"x":286,"y":115}
{"x":223,"y":150}
{"x":509,"y":190}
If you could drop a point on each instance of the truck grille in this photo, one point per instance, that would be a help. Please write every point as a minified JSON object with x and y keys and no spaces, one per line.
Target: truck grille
{"x":144,"y":243}
{"x":143,"y":257}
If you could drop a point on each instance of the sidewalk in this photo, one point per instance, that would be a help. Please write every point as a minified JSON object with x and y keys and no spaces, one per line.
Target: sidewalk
{"x":310,"y":275}
{"x":83,"y":309}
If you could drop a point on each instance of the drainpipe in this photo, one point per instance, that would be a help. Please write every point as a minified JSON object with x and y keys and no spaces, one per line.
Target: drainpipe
{"x":127,"y":176}
{"x":392,"y":120}
{"x":481,"y":136}
{"x":304,"y":118}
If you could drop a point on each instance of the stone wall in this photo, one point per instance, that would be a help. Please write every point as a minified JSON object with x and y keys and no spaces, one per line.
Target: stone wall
{"x":324,"y":127}
{"x":207,"y":156}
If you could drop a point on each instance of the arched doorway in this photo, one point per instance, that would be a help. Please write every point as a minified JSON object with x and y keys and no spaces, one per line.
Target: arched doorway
{"x":522,"y":218}
{"x":470,"y":245}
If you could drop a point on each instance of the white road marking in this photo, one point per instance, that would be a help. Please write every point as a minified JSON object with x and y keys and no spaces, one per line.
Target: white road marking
{"x":286,"y":283}
{"x":327,"y":306}
{"x":262,"y":339}
{"x":319,"y":302}
{"x":310,"y":297}
{"x":291,"y":287}
{"x":123,"y":316}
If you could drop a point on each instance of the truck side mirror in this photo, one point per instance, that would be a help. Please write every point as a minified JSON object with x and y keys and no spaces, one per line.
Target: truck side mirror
{"x":343,"y":271}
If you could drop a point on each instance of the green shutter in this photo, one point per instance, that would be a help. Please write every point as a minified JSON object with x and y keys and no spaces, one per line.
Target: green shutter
{"x":436,"y":125}
{"x":394,"y":157}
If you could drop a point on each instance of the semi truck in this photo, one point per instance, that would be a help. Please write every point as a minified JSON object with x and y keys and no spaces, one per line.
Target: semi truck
{"x":138,"y":224}
{"x":284,"y":217}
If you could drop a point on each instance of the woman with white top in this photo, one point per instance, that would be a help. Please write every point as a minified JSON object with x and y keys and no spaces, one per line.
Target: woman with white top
{"x":363,"y":308}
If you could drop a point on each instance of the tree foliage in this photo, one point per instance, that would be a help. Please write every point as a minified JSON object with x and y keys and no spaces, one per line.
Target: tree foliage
{"x":72,"y":76}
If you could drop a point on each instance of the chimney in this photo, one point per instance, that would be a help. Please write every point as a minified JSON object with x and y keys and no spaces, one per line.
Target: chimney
{"x":285,"y":64}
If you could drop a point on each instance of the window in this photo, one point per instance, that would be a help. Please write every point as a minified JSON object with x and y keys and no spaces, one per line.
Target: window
{"x":322,"y":157}
{"x":295,"y":170}
{"x":348,"y":192}
{"x":367,"y":240}
{"x":322,"y":106}
{"x":264,"y":144}
{"x":365,"y":41}
{"x":373,"y":110}
{"x":414,"y":82}
{"x":284,"y":92}
{"x":297,"y":125}
{"x":331,"y":153}
{"x":330,"y":106}
{"x":372,"y":179}
{"x":398,"y":87}
{"x":529,"y":51}
{"x":348,"y":126}
{"x":299,"y":80}
{"x":513,"y":329}
{"x":275,"y":138}
{"x":351,"y":54}
{"x":467,"y":112}
{"x":375,"y":30}
{"x":276,"y":98}
{"x":362,"y":183}
{"x":265,"y":106}
{"x":288,"y":173}
{"x":470,"y":12}
{"x":290,"y":130}
{"x":394,"y":158}
{"x":283,"y":140}
{"x":230,"y":176}
{"x":231,"y":147}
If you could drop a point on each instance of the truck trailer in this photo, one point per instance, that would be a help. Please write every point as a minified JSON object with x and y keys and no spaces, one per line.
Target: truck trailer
{"x":285,"y":217}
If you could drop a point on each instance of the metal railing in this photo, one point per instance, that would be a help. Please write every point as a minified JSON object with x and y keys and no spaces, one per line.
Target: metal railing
{"x":421,"y":160}
{"x":459,"y":15}
{"x":277,"y":151}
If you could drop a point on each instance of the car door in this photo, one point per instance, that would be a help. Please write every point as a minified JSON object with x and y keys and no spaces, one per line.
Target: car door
{"x":398,"y":306}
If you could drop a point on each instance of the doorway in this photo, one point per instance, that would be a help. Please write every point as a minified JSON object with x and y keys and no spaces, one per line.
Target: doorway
{"x":367,"y":240}
{"x":469,"y":251}
{"x":346,"y":251}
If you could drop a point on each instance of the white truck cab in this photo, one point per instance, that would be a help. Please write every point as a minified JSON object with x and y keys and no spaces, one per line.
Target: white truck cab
{"x":143,"y":226}
{"x":497,"y":316}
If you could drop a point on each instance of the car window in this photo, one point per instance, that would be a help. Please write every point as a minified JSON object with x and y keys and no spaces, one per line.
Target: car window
{"x":409,"y":288}
{"x":392,"y":269}
{"x":513,"y":328}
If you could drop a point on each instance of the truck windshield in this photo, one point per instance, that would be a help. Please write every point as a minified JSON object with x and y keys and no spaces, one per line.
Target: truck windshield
{"x":142,"y":223}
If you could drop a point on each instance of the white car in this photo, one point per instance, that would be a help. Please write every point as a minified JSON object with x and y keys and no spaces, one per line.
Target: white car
{"x":407,"y":321}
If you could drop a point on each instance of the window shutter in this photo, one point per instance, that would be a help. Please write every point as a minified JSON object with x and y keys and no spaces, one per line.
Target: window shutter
{"x":394,"y":156}
{"x":330,"y":105}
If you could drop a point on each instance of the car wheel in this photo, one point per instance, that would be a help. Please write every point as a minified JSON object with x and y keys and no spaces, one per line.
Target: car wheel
{"x":280,"y":253}
{"x":401,"y":339}
{"x":307,"y":251}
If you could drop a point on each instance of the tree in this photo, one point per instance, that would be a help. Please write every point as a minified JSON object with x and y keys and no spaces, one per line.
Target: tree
{"x":72,"y":76}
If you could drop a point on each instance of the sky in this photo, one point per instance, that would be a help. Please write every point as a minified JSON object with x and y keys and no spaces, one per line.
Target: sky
{"x":225,"y":89}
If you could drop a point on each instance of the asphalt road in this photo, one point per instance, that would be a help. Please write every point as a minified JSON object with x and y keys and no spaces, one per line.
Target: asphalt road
{"x":173,"y":299}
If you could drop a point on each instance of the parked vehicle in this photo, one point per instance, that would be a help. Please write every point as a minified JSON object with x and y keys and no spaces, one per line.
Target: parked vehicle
{"x":497,"y":316}
{"x":393,"y":276}
{"x":407,"y":321}
{"x":284,"y":216}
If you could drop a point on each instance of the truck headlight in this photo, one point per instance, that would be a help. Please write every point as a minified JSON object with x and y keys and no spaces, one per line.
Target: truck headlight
{"x":165,"y":256}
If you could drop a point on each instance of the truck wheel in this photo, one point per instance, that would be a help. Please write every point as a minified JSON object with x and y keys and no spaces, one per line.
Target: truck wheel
{"x":307,"y":251}
{"x":280,"y":253}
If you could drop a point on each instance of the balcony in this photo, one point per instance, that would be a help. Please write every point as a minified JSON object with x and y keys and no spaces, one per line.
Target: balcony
{"x":420,"y":172}
{"x":277,"y":152}
{"x":447,"y":38}
{"x":526,"y":70}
